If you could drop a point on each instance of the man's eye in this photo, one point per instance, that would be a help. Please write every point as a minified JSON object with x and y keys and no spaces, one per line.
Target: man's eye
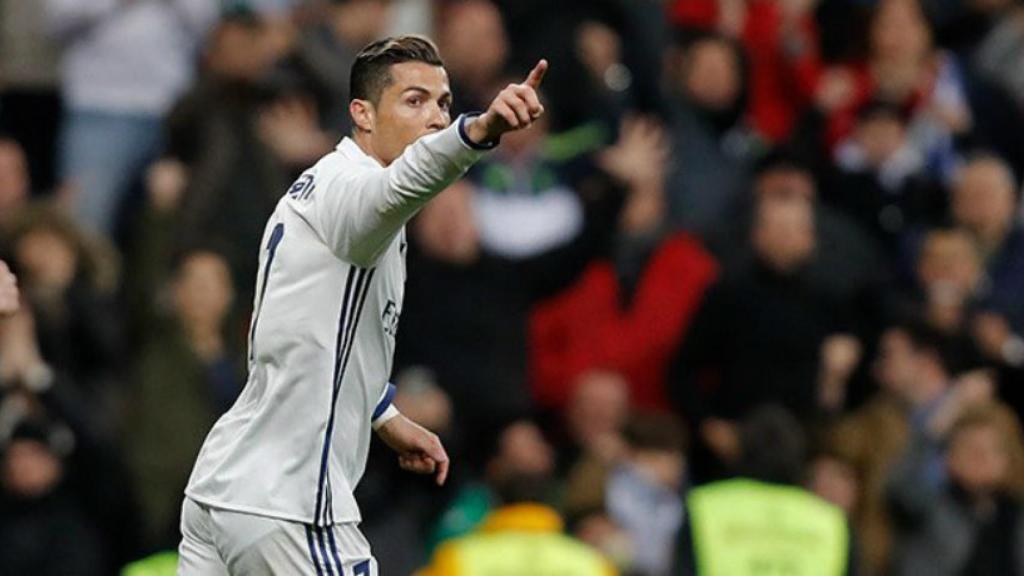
{"x":415,"y":101}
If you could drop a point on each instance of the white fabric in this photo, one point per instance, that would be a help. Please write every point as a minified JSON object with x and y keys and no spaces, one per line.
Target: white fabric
{"x":322,"y":341}
{"x":519,"y":225}
{"x":129,"y":57}
{"x":220,"y":542}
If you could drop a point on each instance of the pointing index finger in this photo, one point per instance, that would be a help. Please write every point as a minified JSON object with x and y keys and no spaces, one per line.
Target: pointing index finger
{"x":537,"y":74}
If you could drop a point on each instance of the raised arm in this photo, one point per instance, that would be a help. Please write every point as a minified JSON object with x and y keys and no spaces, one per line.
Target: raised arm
{"x":360,"y":213}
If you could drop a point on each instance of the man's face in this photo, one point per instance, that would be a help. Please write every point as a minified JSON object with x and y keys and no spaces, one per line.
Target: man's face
{"x":14,"y":182}
{"x":898,"y":364}
{"x":983,"y":199}
{"x":415,"y":104}
{"x":783,"y":235}
{"x":712,"y":75}
{"x":977,"y":459}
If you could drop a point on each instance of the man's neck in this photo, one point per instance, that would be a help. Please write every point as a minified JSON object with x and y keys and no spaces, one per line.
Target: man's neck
{"x":362,"y":139}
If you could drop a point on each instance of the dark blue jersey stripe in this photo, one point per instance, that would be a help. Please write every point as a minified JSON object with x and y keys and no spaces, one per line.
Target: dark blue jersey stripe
{"x":323,"y":552}
{"x":349,"y":327}
{"x":272,"y":244}
{"x":312,"y":550}
{"x":344,"y":317}
{"x":389,"y":395}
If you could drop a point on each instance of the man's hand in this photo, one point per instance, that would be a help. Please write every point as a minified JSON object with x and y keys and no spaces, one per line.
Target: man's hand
{"x":516,"y":107}
{"x":419,"y":450}
{"x":8,"y":290}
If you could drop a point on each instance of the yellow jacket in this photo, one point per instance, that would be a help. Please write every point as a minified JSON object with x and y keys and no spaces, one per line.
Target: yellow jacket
{"x":518,"y":540}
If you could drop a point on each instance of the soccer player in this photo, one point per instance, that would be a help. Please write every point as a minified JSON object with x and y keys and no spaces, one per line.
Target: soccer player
{"x":8,"y":291}
{"x":271,"y":492}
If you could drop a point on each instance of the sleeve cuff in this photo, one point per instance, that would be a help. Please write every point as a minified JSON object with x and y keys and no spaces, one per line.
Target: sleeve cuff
{"x":386,"y":417}
{"x":465,"y":137}
{"x":385,"y":410}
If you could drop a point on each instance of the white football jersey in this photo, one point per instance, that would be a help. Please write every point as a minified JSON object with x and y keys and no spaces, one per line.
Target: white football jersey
{"x":322,"y":337}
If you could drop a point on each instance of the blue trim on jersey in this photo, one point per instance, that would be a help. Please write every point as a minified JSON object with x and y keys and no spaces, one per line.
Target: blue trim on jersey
{"x":348,"y":324}
{"x":272,"y":244}
{"x":464,"y":136}
{"x":337,"y":366}
{"x":312,"y":550}
{"x":389,"y":395}
{"x":334,"y":549}
{"x":338,"y":353}
{"x":323,"y":553}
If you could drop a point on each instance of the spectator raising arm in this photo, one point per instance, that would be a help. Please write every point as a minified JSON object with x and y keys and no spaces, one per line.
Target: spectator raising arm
{"x":8,"y":290}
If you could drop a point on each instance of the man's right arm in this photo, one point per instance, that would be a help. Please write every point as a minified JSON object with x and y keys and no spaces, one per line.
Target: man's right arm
{"x":360,"y":214}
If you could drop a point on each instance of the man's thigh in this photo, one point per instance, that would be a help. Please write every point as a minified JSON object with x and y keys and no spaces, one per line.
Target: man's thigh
{"x":257,"y":546}
{"x":197,"y":553}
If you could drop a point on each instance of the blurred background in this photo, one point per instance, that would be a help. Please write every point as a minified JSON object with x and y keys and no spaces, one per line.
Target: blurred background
{"x":773,"y":240}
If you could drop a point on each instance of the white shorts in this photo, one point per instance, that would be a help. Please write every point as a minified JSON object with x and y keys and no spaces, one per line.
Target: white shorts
{"x":218,"y":542}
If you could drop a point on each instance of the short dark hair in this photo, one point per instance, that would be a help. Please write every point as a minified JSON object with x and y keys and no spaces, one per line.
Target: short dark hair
{"x":655,"y":431}
{"x":371,"y":72}
{"x":773,"y":446}
{"x":926,"y":338}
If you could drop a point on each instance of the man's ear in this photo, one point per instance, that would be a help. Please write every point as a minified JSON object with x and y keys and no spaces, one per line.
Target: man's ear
{"x":363,"y":115}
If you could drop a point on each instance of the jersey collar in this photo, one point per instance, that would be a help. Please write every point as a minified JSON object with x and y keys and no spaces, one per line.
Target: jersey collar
{"x":353,"y":152}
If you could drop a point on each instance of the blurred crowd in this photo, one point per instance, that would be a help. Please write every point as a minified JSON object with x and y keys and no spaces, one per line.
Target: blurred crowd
{"x":757,"y":251}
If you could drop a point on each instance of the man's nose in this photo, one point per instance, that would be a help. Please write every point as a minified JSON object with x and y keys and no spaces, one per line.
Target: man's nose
{"x":439,"y":118}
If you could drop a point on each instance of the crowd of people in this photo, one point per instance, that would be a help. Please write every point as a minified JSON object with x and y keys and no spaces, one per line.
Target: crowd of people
{"x":779,"y":240}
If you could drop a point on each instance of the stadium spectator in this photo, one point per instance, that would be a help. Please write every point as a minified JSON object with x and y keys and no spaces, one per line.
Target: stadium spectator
{"x":519,"y":475}
{"x":123,"y":66}
{"x":44,"y":530}
{"x":906,"y":69}
{"x":774,"y":329}
{"x":712,"y":145}
{"x":30,"y":102}
{"x":922,"y":379}
{"x":9,"y":295}
{"x":471,"y":36}
{"x":185,"y":376}
{"x":67,"y":279}
{"x":948,"y":279}
{"x":15,"y":183}
{"x":882,"y":181}
{"x":833,"y":476}
{"x":585,"y":36}
{"x":985,"y":205}
{"x":998,"y":55}
{"x":628,"y":313}
{"x":968,"y":520}
{"x":595,"y":415}
{"x":515,"y":453}
{"x":241,"y":131}
{"x":643,"y":491}
{"x":766,"y":505}
{"x":326,"y":48}
{"x":75,"y":478}
{"x":780,"y":39}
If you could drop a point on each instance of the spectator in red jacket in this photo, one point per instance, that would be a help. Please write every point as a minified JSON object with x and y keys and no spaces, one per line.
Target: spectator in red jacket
{"x":781,"y":42}
{"x":626,"y":316}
